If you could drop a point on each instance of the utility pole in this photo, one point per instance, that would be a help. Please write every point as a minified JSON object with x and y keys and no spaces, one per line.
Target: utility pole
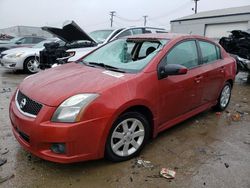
{"x":195,"y":9}
{"x":112,"y":14}
{"x":145,"y":20}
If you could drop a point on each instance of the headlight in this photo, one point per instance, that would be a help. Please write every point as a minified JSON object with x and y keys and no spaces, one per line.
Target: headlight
{"x":71,"y":54}
{"x":72,"y":108}
{"x":15,"y":55}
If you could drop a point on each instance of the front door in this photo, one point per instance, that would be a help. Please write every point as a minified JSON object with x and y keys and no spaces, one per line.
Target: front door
{"x":181,"y":93}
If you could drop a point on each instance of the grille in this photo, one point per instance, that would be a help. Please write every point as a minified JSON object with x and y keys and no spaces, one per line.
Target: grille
{"x":26,"y":105}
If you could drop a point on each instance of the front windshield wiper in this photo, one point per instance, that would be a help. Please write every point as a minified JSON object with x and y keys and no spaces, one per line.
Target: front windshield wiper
{"x":107,"y":67}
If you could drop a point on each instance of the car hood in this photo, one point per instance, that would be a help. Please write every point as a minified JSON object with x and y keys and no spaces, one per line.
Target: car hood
{"x":53,"y":86}
{"x":69,"y":33}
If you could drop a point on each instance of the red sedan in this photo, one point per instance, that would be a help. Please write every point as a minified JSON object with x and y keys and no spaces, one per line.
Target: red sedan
{"x":109,"y":103}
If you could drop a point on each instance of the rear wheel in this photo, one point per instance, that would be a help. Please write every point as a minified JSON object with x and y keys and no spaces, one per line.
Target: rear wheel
{"x":31,"y":65}
{"x":127,"y":137}
{"x":224,"y":97}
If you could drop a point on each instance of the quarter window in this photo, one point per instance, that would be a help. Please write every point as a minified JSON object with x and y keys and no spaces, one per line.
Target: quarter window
{"x":218,"y":52}
{"x":184,"y":54}
{"x":209,"y":52}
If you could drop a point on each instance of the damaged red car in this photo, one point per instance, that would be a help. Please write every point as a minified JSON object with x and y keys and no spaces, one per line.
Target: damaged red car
{"x":113,"y":100}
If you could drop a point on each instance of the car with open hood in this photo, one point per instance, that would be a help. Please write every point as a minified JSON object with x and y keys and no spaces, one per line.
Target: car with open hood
{"x":72,"y":35}
{"x":102,"y":38}
{"x":79,"y":43}
{"x":111,"y":102}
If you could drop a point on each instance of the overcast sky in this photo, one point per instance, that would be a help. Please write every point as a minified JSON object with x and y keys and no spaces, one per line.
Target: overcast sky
{"x":94,"y":14}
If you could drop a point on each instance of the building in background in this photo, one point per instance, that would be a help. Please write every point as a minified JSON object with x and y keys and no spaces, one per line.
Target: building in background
{"x":215,"y":23}
{"x":25,"y":31}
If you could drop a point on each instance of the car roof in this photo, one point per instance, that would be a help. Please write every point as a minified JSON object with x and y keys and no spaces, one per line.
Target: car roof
{"x":164,"y":36}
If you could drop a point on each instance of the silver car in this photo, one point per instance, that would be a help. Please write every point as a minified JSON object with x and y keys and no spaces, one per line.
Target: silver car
{"x":25,"y":58}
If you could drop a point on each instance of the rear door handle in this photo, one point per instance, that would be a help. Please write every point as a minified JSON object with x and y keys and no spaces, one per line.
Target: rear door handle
{"x":198,"y":79}
{"x":222,"y":69}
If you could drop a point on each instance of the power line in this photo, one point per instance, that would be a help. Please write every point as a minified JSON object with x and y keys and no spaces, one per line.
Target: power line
{"x":127,"y":20}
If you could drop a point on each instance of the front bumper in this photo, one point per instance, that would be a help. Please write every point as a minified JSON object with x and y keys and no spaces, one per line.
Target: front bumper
{"x":12,"y":63}
{"x":83,"y":140}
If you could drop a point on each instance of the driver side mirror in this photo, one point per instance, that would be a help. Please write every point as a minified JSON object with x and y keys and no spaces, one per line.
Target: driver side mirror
{"x":171,"y":69}
{"x":18,"y":42}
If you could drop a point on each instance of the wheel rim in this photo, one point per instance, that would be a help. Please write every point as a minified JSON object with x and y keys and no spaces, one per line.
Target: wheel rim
{"x":127,"y":137}
{"x":225,"y":96}
{"x":32,"y":65}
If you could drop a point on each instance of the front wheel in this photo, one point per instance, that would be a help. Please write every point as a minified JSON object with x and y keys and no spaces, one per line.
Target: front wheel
{"x":127,"y":137}
{"x":31,"y":65}
{"x":224,"y":97}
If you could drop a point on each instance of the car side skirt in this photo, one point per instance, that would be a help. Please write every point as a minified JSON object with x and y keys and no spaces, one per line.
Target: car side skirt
{"x":184,"y":117}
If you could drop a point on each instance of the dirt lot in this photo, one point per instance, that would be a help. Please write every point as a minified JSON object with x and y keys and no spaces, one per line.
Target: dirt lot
{"x":209,"y":150}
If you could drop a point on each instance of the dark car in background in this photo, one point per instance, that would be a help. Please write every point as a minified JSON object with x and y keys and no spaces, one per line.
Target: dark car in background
{"x":27,"y":41}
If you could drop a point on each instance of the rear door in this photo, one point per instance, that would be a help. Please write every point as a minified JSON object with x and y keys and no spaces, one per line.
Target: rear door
{"x":214,"y":66}
{"x":182,"y":93}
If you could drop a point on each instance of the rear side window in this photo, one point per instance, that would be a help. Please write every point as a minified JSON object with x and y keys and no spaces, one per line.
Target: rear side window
{"x":125,"y":33}
{"x":184,"y":54}
{"x":209,"y":52}
{"x":137,"y":31}
{"x":37,"y":40}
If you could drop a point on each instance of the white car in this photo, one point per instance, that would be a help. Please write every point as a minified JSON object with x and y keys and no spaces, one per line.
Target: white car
{"x":24,"y":58}
{"x":104,"y":36}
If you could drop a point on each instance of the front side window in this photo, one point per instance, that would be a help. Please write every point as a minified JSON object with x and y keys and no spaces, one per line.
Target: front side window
{"x":208,"y":51}
{"x":124,"y":54}
{"x":26,"y":40}
{"x":184,"y":54}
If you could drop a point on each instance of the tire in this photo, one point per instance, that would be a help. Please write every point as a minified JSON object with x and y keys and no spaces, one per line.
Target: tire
{"x":224,"y":97}
{"x":31,"y":65}
{"x":127,"y":137}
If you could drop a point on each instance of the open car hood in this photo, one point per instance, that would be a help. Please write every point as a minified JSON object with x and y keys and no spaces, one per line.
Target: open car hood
{"x":70,"y":32}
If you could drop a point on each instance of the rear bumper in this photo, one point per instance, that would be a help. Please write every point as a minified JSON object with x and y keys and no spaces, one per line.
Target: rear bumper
{"x":36,"y":135}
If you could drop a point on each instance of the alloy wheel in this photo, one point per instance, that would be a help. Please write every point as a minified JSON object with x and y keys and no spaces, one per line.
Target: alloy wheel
{"x":127,"y":137}
{"x":32,"y":65}
{"x":225,"y":96}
